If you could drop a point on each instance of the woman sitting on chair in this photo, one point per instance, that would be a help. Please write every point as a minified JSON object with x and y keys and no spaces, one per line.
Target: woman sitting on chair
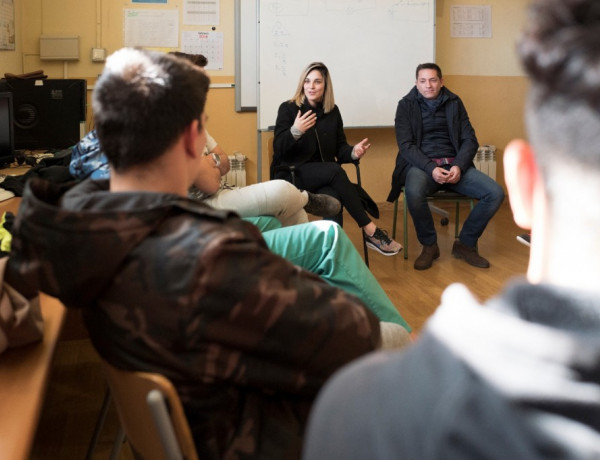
{"x":309,"y":135}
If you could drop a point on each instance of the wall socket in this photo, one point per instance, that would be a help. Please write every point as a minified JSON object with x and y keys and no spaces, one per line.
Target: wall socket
{"x":98,"y":54}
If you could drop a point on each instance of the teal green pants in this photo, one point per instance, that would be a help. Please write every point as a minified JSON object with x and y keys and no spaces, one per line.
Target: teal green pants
{"x":323,"y":248}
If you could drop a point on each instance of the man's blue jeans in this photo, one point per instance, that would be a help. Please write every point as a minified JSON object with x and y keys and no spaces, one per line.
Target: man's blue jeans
{"x":473,"y":183}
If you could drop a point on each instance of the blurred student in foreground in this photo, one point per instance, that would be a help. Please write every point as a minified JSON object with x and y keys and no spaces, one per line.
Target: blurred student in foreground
{"x":518,"y":378}
{"x":168,"y":284}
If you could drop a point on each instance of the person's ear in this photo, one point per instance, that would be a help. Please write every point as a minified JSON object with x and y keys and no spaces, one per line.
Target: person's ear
{"x":521,"y":175}
{"x":190,"y":137}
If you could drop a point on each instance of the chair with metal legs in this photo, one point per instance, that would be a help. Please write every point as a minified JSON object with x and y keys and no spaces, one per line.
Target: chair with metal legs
{"x":151,"y":415}
{"x":440,"y":195}
{"x":292,"y":170}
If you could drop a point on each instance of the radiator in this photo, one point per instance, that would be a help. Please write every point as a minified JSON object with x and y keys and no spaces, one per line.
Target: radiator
{"x":236,"y":177}
{"x":485,"y":160}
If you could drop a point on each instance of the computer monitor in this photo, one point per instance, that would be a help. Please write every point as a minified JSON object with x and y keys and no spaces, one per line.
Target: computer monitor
{"x":47,"y":113}
{"x":6,"y":130}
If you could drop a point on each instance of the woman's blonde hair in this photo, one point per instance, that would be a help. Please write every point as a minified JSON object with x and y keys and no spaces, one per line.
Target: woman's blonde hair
{"x":328,"y":100}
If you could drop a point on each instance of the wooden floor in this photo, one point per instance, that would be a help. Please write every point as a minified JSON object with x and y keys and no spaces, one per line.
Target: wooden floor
{"x":415,"y":293}
{"x":77,"y":386}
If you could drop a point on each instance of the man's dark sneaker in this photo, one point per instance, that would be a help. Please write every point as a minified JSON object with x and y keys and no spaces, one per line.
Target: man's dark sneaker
{"x":428,"y":255}
{"x":469,"y":254}
{"x":382,"y":243}
{"x":525,"y":239}
{"x":322,"y":205}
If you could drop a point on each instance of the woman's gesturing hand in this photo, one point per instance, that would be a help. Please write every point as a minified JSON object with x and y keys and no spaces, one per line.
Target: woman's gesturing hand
{"x":305,"y":122}
{"x":361,"y":148}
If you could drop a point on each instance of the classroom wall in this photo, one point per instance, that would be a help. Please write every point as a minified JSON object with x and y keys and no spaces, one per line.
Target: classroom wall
{"x":484,"y":72}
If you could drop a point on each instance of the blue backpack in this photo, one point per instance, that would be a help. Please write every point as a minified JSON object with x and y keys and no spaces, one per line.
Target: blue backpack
{"x":87,"y":159}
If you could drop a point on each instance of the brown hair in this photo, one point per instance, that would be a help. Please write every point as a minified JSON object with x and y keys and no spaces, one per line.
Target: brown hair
{"x":196,"y":59}
{"x":143,"y":101}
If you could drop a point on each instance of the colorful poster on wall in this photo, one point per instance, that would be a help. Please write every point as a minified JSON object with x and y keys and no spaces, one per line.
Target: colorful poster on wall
{"x":7,"y":25}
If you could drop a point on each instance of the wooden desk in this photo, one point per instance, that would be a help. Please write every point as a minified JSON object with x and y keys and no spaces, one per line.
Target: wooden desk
{"x":24,"y":374}
{"x":23,"y":379}
{"x":10,"y":205}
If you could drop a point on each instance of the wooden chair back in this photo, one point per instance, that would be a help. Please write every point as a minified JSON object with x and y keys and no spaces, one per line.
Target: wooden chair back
{"x":151,"y":414}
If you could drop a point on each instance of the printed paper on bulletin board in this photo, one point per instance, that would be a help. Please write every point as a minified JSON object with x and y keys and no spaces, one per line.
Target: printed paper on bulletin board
{"x":7,"y":25}
{"x":201,"y":13}
{"x":209,"y":44}
{"x":471,"y":21}
{"x":152,"y":28}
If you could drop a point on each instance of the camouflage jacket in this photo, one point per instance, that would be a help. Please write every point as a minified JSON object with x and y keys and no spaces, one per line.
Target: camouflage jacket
{"x":171,"y":285}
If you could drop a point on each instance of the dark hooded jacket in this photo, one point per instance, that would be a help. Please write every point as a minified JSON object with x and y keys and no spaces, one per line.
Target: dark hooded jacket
{"x":518,"y":379}
{"x":169,"y":285}
{"x":409,"y":136}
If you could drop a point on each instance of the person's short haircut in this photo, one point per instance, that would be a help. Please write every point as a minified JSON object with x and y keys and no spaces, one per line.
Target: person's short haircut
{"x":430,"y":66}
{"x":142,"y":102}
{"x":197,"y":59}
{"x":560,"y":51}
{"x":328,"y":99}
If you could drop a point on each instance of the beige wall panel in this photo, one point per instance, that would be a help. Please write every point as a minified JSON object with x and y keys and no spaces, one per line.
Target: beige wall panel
{"x":481,"y":56}
{"x":495,"y":106}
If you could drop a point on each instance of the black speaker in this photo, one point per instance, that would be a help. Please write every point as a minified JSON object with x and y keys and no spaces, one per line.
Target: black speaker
{"x":47,"y":113}
{"x":6,"y":129}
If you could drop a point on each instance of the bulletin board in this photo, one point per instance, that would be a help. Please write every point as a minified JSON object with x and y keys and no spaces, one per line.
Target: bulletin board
{"x":7,"y":25}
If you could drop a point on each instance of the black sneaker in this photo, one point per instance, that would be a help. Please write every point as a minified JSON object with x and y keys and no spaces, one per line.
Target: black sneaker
{"x":381,"y":242}
{"x":525,"y":239}
{"x":322,"y":205}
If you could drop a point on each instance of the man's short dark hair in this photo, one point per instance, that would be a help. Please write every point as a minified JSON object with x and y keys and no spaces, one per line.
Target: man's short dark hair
{"x":142,"y":102}
{"x":197,"y":59}
{"x":431,"y":66}
{"x":560,"y":51}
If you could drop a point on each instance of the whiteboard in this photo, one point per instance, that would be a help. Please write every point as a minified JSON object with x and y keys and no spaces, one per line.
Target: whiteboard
{"x":371,"y":48}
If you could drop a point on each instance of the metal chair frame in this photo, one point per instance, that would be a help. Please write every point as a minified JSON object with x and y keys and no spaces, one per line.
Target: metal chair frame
{"x":151,"y":414}
{"x":292,"y":171}
{"x":440,"y":195}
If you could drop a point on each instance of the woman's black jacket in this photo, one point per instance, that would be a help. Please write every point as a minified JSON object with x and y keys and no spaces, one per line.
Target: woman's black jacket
{"x":326,"y":141}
